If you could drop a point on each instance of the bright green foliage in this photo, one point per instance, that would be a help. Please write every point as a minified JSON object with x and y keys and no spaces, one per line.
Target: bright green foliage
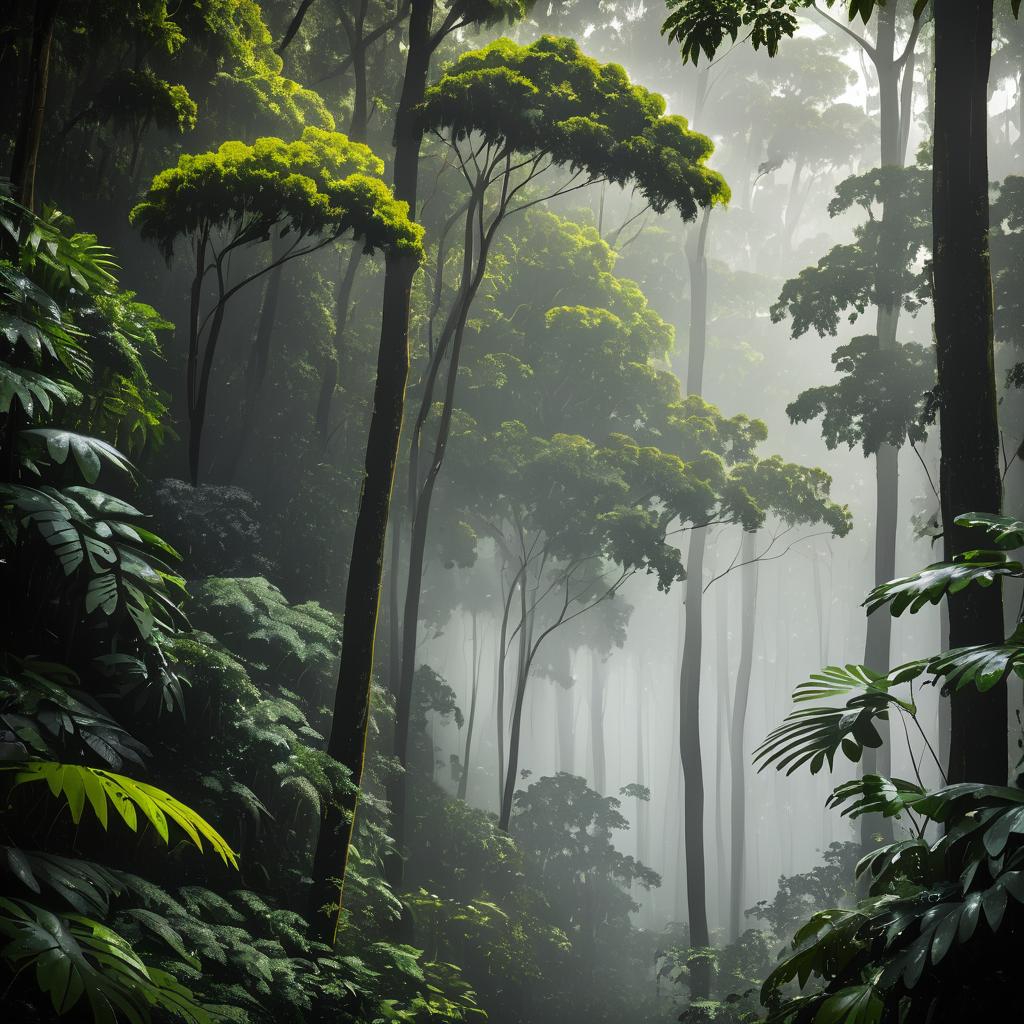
{"x":79,"y":784}
{"x":550,"y":102}
{"x":250,"y":69}
{"x":935,"y":910}
{"x":321,"y":184}
{"x":792,"y":493}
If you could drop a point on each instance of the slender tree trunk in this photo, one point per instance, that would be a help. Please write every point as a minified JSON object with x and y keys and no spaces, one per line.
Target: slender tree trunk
{"x":721,"y":734}
{"x":642,"y":806}
{"x":690,"y":672}
{"x":471,"y":722}
{"x":693,"y":767}
{"x":421,"y":497}
{"x":515,"y":735}
{"x":737,"y":736}
{"x":33,"y":113}
{"x":394,"y":602}
{"x":347,"y":739}
{"x":969,"y":470}
{"x":878,"y":640}
{"x":564,"y":713}
{"x":697,"y":260}
{"x":598,"y":697}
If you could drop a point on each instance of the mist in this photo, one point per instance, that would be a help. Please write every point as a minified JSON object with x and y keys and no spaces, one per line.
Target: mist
{"x":516,"y":505}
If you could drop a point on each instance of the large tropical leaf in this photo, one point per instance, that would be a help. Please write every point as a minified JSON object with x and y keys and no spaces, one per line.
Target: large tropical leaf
{"x":85,"y":887}
{"x":114,"y":553}
{"x":1004,"y":532}
{"x":43,"y":704}
{"x":80,"y":785}
{"x":89,"y":452}
{"x":875,"y":794}
{"x":815,"y":735}
{"x":29,"y":388}
{"x":982,"y":667}
{"x":931,"y":585}
{"x":75,"y":957}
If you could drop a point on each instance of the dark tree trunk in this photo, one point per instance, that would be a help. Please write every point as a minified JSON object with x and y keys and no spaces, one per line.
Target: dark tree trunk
{"x":526,"y":652}
{"x":420,"y":503}
{"x":347,"y":740}
{"x":690,"y":672}
{"x":33,"y":112}
{"x":968,"y":426}
{"x":737,"y":732}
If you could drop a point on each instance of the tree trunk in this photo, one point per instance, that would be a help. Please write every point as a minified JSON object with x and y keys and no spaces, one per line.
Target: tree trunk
{"x":689,"y":676}
{"x":878,"y":640}
{"x":968,"y":426}
{"x":737,"y":753}
{"x":564,"y":715}
{"x":464,"y":777}
{"x":33,"y":113}
{"x":722,"y":718}
{"x":420,"y":499}
{"x":693,"y":768}
{"x":515,"y":735}
{"x":642,"y":806}
{"x":598,"y":680}
{"x":697,"y":260}
{"x":347,"y":740}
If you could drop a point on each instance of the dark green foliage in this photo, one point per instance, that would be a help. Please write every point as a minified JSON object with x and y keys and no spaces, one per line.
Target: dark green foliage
{"x":88,"y":609}
{"x":218,"y":530}
{"x":881,"y":397}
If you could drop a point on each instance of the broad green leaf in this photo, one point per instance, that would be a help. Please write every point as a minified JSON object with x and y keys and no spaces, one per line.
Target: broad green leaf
{"x":89,"y":452}
{"x":932,"y":584}
{"x":1003,"y":531}
{"x":75,"y":956}
{"x":76,"y":782}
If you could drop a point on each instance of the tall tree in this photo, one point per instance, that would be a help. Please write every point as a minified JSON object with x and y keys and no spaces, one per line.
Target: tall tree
{"x":347,"y":740}
{"x":514,"y":115}
{"x":308,"y":193}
